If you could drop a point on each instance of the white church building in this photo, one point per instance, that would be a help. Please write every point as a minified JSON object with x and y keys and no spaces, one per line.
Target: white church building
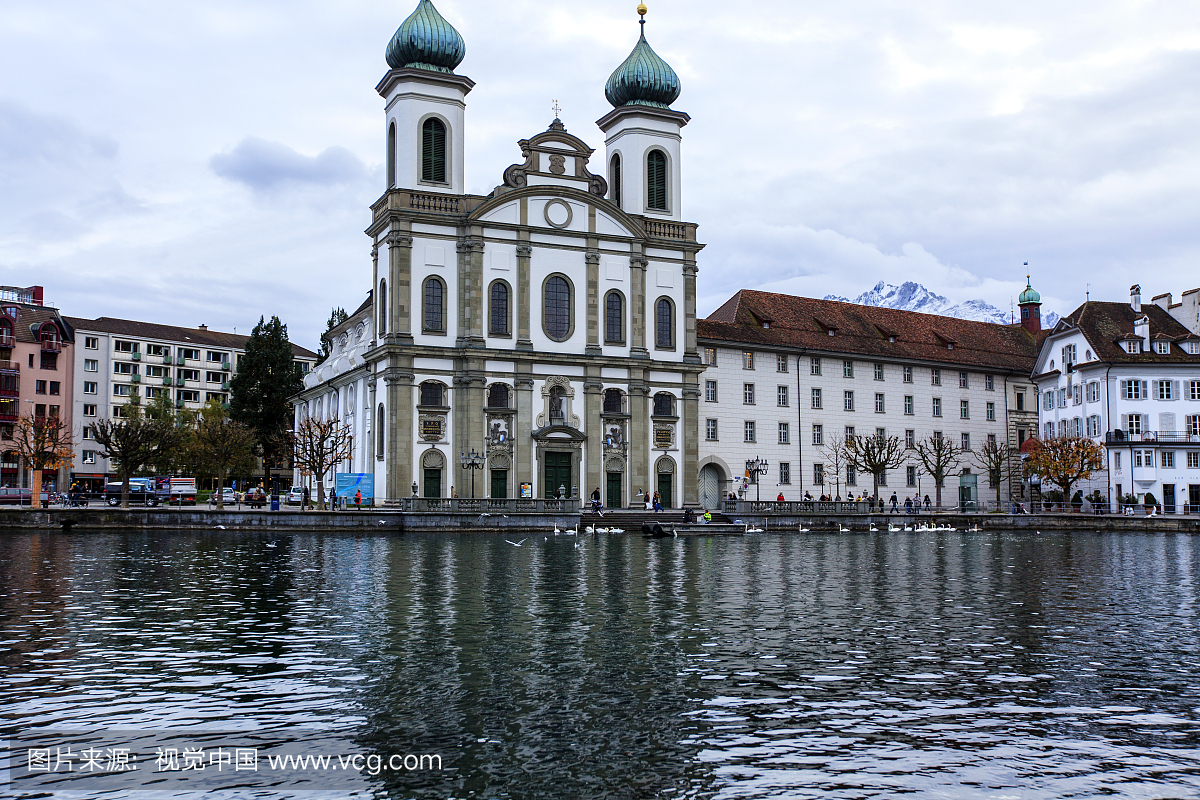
{"x":548,"y":328}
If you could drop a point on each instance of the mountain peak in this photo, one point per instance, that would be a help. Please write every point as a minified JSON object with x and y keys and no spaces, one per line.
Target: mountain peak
{"x":912,"y":296}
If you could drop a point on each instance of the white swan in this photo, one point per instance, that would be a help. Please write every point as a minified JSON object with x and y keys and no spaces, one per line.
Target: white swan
{"x":843,"y":528}
{"x":616,"y":530}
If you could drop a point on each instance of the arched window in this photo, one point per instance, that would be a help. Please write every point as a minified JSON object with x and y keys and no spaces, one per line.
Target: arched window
{"x":379,"y":431}
{"x":498,"y":317}
{"x":656,"y":180}
{"x":382,"y":307}
{"x":614,"y":318}
{"x":391,"y":155}
{"x":556,"y":307}
{"x":333,"y":406}
{"x":433,"y":394}
{"x":498,"y":396}
{"x":616,"y":179}
{"x":664,"y":405}
{"x":435,"y":306}
{"x":433,"y":151}
{"x":664,"y":324}
{"x":614,"y":401}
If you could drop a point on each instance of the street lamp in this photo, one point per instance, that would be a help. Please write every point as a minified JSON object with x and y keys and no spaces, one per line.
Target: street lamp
{"x":756,"y":466}
{"x":472,"y":461}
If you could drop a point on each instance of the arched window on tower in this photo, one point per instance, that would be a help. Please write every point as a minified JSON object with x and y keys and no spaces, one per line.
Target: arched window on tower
{"x":656,"y":180}
{"x":614,"y":318}
{"x":391,"y":156}
{"x":433,"y":151}
{"x":382,"y":308}
{"x":435,"y":306}
{"x":498,"y":316}
{"x":616,"y":179}
{"x":664,"y":324}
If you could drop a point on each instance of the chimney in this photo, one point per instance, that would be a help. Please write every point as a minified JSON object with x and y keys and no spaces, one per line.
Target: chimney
{"x":1135,"y":297}
{"x":37,"y":294}
{"x":1141,"y":329}
{"x":203,"y":327}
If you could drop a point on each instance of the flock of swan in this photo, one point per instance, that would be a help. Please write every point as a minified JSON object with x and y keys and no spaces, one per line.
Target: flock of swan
{"x":568,"y":532}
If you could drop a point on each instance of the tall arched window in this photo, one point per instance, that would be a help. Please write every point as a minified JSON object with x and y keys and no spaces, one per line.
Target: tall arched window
{"x":616,"y":179}
{"x":382,"y":307}
{"x":433,"y":151}
{"x":656,"y":180}
{"x":614,"y":319}
{"x":391,"y":155}
{"x":435,"y":306}
{"x":664,"y":324}
{"x":556,"y":307}
{"x":498,"y":317}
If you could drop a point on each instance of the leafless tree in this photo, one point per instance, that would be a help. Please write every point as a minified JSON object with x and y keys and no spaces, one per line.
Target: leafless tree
{"x":44,"y":443}
{"x":999,"y":462}
{"x":319,"y":446}
{"x":135,"y":440}
{"x":875,"y":455}
{"x":834,"y":452}
{"x":221,"y":445}
{"x":941,"y":458}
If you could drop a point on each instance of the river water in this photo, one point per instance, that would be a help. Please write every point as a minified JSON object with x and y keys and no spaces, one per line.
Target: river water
{"x":935,"y":665}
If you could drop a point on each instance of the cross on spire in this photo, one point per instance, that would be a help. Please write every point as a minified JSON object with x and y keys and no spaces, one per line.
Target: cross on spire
{"x":556,"y":109}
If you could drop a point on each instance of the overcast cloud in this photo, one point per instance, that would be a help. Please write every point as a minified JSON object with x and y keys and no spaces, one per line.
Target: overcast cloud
{"x":213,"y":162}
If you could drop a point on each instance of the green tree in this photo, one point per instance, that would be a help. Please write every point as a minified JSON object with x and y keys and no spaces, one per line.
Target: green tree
{"x":336,"y":317}
{"x":266,"y":380}
{"x":134,"y":440}
{"x":221,"y":446}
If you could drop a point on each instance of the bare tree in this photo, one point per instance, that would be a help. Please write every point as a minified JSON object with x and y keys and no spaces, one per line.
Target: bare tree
{"x":135,"y":440}
{"x":941,"y":459}
{"x":319,"y":446}
{"x":834,"y":452}
{"x":44,"y":443}
{"x":221,"y":445}
{"x":876,"y":455}
{"x":999,"y":462}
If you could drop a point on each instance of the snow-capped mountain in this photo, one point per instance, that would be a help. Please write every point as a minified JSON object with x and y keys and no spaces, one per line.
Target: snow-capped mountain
{"x":910,"y":296}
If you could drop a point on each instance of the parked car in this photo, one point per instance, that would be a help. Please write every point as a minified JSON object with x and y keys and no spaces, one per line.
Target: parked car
{"x":139,"y":495}
{"x":255,"y":498}
{"x":227,"y":496}
{"x":295,"y":496}
{"x":14,"y":496}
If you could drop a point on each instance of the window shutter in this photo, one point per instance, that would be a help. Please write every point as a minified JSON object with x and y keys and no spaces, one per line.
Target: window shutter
{"x":1176,"y":393}
{"x":656,"y":180}
{"x":1145,"y":390}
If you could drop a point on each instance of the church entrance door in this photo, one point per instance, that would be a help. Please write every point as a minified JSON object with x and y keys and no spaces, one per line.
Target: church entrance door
{"x":558,"y":473}
{"x":614,"y":490}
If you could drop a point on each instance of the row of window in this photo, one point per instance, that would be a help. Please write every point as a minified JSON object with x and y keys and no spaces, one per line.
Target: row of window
{"x":848,"y":401}
{"x":821,"y":478}
{"x":47,"y":387}
{"x":816,"y":367}
{"x":153,"y":392}
{"x":1166,"y":459}
{"x":750,"y":434}
{"x":128,"y":368}
{"x":1131,"y":389}
{"x":158,"y":350}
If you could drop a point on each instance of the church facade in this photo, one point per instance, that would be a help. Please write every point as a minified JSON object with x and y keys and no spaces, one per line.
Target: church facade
{"x":547,"y":330}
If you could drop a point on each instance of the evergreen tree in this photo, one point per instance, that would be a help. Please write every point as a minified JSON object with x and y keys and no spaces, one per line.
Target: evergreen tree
{"x":266,"y":380}
{"x":336,"y":317}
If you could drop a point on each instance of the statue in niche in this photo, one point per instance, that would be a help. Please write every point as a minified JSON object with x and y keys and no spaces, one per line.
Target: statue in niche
{"x":615,"y":436}
{"x":556,"y":406}
{"x":498,"y":433}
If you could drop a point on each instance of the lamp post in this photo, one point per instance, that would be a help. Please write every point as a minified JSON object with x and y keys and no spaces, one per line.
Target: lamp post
{"x":756,"y":466}
{"x":472,"y":461}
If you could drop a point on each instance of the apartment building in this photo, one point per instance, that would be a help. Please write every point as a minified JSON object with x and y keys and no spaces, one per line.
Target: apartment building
{"x":1128,"y":377}
{"x":788,"y":377}
{"x":35,"y":373}
{"x":117,"y":360}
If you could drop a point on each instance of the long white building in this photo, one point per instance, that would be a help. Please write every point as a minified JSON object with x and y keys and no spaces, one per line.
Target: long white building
{"x":1128,"y":376}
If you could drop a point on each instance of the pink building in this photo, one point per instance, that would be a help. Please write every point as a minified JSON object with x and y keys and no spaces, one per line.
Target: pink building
{"x":36,"y":373}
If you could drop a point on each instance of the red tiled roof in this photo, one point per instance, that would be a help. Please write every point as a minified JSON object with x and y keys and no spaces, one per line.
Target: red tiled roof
{"x":1105,"y":324}
{"x":804,"y":323}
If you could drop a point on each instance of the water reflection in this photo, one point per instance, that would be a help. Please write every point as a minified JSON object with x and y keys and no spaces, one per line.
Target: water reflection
{"x":937,"y":665}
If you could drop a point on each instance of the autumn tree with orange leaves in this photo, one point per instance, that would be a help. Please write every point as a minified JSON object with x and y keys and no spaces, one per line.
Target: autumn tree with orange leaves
{"x":44,"y":443}
{"x":1065,"y":460}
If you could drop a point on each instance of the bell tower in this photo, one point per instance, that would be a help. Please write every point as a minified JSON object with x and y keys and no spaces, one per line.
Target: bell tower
{"x":642,"y":134}
{"x":425,"y":105}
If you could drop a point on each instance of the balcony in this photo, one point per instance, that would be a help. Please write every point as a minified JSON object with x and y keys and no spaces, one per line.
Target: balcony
{"x":136,"y":356}
{"x":1119,"y":437}
{"x":225,"y":386}
{"x":225,"y":366}
{"x":10,"y":366}
{"x":6,"y":340}
{"x":167,"y":360}
{"x":51,"y":346}
{"x":136,"y":379}
{"x":167,"y":381}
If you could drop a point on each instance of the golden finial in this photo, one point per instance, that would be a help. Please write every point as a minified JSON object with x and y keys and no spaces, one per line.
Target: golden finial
{"x":641,"y":9}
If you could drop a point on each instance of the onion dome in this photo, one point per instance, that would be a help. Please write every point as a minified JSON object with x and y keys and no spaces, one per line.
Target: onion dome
{"x":1030,"y":295}
{"x":644,"y":79}
{"x":426,"y":41}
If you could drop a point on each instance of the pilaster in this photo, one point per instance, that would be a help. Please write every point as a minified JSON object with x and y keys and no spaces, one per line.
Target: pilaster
{"x":469,"y":420}
{"x":524,"y":252}
{"x":522,"y":442}
{"x":690,"y":439}
{"x":470,"y":292}
{"x":398,"y":382}
{"x":593,"y":396}
{"x":690,"y":354}
{"x":639,"y":432}
{"x":593,"y":300}
{"x":637,"y":306}
{"x":400,"y":286}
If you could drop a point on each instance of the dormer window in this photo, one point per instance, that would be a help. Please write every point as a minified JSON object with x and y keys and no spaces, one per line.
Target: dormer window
{"x":1192,"y":348}
{"x":1133,"y":346}
{"x":1162,"y":348}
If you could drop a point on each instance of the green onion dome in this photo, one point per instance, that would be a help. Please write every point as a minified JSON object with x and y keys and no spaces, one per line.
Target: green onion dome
{"x":643,"y":80}
{"x":1030,"y":295}
{"x":426,"y":41}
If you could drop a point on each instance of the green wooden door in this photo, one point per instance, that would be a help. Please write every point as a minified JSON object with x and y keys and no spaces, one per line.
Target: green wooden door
{"x":558,"y":473}
{"x":614,"y":490}
{"x":665,"y":480}
{"x":433,"y":483}
{"x":499,"y":484}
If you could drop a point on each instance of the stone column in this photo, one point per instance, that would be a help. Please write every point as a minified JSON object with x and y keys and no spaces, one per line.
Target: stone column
{"x":400,"y":286}
{"x":524,"y":251}
{"x":639,"y":432}
{"x":469,"y":419}
{"x":470,"y":292}
{"x":370,"y":422}
{"x":521,"y":441}
{"x":399,"y":382}
{"x":690,"y":354}
{"x":688,"y":436}
{"x":637,"y":306}
{"x":593,"y":302}
{"x":593,"y":397}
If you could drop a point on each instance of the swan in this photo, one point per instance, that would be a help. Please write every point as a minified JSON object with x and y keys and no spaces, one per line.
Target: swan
{"x":843,"y":528}
{"x":803,"y":529}
{"x":873,"y":529}
{"x":590,"y":529}
{"x":602,"y":530}
{"x":616,"y":530}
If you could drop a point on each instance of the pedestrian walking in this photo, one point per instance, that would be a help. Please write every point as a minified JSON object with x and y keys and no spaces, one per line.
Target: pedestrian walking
{"x":657,"y":503}
{"x":304,"y":499}
{"x":895,"y":504}
{"x":357,"y":499}
{"x":927,"y":504}
{"x":596,"y":502}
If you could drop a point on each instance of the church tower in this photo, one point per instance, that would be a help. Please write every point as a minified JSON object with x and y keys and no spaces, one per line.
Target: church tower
{"x":1030,"y":303}
{"x":425,"y":105}
{"x":643,"y":134}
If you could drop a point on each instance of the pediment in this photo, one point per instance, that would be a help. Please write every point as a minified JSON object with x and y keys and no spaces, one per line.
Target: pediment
{"x":544,"y":207}
{"x":556,"y":157}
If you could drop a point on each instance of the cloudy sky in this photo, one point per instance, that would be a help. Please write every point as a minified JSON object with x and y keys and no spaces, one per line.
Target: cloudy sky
{"x":211,"y":162}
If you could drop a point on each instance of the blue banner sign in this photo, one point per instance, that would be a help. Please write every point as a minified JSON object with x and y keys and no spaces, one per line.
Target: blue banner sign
{"x":348,"y":483}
